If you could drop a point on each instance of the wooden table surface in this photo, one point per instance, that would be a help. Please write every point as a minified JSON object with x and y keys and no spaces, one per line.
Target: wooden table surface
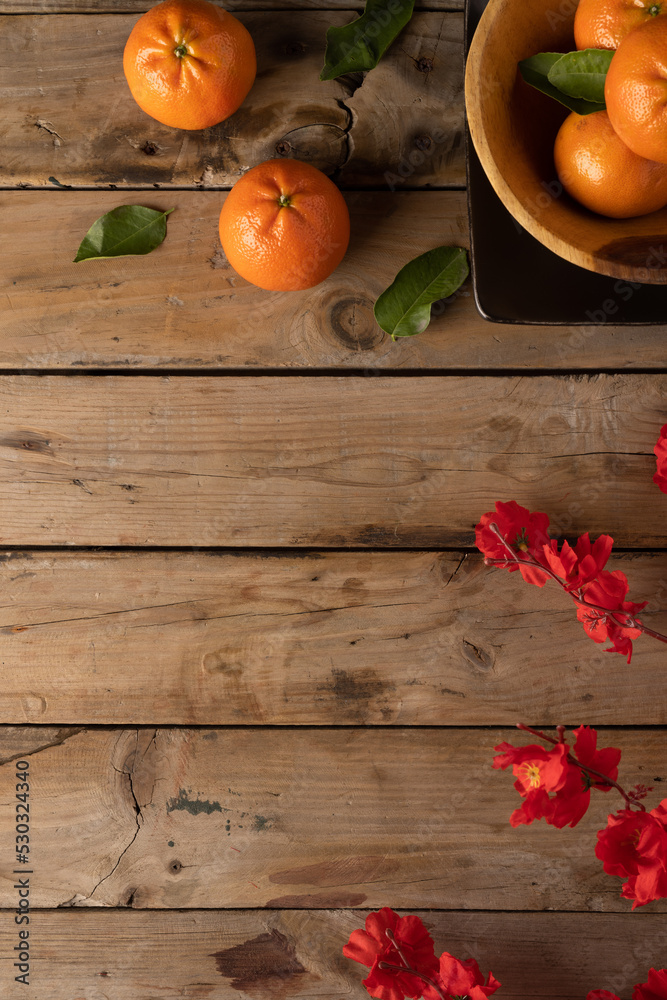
{"x":248,"y":648}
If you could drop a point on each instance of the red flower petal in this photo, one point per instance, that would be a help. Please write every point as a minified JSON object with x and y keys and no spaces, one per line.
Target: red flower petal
{"x":660,"y":477}
{"x":457,"y":979}
{"x":372,"y":946}
{"x":606,"y":760}
{"x":634,"y":845}
{"x":581,"y":565}
{"x":524,"y":532}
{"x":654,"y":989}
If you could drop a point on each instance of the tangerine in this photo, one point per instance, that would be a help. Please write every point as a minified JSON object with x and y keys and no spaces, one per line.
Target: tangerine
{"x":635,"y":90}
{"x":284,"y":226}
{"x":189,"y":64}
{"x":601,"y":24}
{"x":596,"y":167}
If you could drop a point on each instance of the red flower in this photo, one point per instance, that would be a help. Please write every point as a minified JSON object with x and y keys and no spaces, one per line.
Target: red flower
{"x":372,"y":946}
{"x":524,"y":532}
{"x":634,"y":846}
{"x":609,"y":591}
{"x":581,"y":564}
{"x":660,"y":478}
{"x":654,"y":989}
{"x":460,"y":979}
{"x":538,"y":772}
{"x":570,"y":803}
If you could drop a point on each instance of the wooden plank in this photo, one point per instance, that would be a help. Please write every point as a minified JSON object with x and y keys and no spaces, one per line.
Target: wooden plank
{"x":139,"y":6}
{"x":83,"y":128}
{"x":182,"y":818}
{"x":320,"y":461}
{"x":183,"y":306}
{"x":392,"y":638}
{"x":208,"y":955}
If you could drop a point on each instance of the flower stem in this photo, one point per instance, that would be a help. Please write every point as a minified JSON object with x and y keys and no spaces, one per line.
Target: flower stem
{"x":628,"y":620}
{"x":406,"y":967}
{"x":413,"y":972}
{"x":649,"y":631}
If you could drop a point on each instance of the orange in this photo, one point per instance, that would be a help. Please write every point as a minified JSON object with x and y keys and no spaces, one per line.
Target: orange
{"x":284,"y":226}
{"x":635,"y":90}
{"x":189,"y":64}
{"x":600,"y":171}
{"x":601,"y":24}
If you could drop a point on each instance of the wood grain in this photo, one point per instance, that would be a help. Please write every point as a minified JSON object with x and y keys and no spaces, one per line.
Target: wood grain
{"x":392,"y":638}
{"x":183,"y":818}
{"x":183,"y":306}
{"x":139,"y":6}
{"x":84,"y":129}
{"x":203,"y":955}
{"x":333,"y":462}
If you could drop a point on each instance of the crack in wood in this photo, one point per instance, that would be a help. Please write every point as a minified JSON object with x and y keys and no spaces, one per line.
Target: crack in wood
{"x":460,"y":563}
{"x":274,"y":614}
{"x":68,"y":734}
{"x":138,"y":815}
{"x":107,"y":614}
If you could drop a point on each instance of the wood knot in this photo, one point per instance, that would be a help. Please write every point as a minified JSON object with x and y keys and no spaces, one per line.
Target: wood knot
{"x":295,"y":48}
{"x":26,"y":440}
{"x":479,"y":657}
{"x":149,"y":148}
{"x":354,"y":325}
{"x":175,"y":867}
{"x":322,"y":145}
{"x":423,"y":142}
{"x":424,"y":65}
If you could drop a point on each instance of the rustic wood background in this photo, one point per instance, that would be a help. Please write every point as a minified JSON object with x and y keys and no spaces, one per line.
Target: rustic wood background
{"x":248,"y":647}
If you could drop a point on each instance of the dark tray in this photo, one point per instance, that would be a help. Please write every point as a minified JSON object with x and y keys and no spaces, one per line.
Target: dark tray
{"x":518,"y":280}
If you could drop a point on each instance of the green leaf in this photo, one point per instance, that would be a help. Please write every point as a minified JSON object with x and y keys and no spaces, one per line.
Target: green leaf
{"x":405,"y":307}
{"x":582,"y":74}
{"x":129,"y":229}
{"x":536,"y":71}
{"x":361,"y":44}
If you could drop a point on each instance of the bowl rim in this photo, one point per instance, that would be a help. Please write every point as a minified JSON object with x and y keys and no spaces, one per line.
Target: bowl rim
{"x":541,"y":230}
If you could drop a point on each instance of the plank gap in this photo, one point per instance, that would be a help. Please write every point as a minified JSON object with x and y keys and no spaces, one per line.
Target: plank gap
{"x":315,"y":373}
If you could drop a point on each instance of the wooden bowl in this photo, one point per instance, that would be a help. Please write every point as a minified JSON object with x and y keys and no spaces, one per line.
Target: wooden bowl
{"x":513,"y":127}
